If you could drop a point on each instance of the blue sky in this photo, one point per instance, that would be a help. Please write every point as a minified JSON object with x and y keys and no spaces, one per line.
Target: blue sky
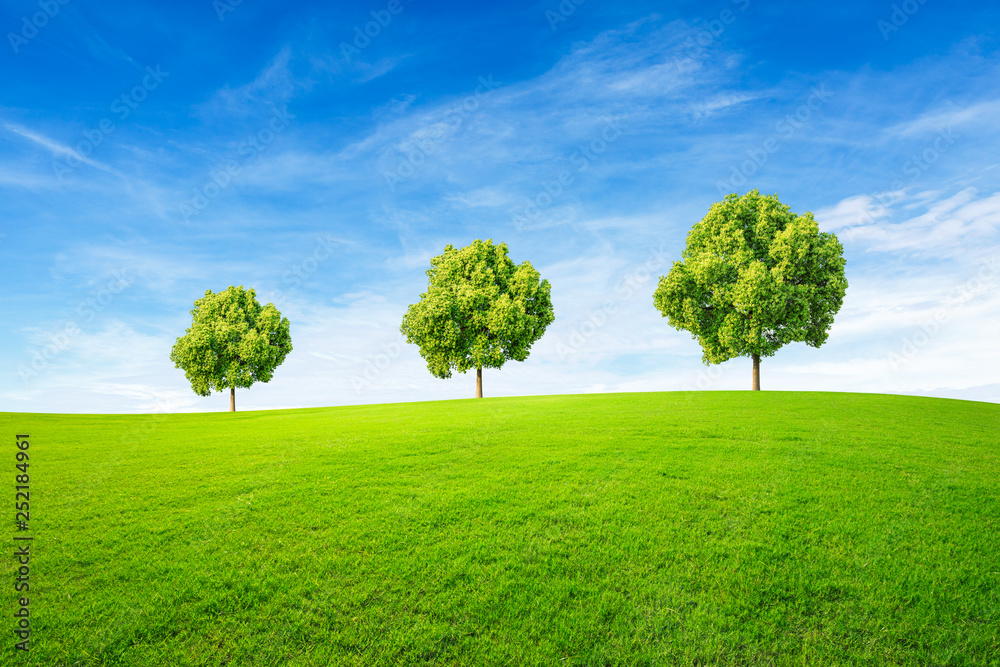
{"x":149,"y":152}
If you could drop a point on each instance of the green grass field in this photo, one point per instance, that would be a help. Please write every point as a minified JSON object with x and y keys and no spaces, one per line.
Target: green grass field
{"x":704,"y":528}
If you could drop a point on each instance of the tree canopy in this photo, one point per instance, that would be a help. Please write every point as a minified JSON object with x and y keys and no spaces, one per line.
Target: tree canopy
{"x":753,"y":277}
{"x":479,"y":311}
{"x":233,"y":342}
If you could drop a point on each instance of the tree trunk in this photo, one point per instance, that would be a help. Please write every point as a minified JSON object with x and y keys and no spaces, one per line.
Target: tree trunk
{"x":232,"y":399}
{"x":479,"y":383}
{"x":756,"y":372}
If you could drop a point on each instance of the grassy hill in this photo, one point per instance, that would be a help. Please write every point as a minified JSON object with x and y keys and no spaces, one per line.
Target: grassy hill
{"x":619,"y":529}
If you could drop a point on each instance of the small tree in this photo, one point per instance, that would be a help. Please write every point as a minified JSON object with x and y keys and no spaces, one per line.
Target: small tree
{"x":479,"y":311}
{"x":754,"y":276}
{"x":233,"y":342}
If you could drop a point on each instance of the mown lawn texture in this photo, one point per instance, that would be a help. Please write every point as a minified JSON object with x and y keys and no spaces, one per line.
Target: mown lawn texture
{"x":710,"y":528}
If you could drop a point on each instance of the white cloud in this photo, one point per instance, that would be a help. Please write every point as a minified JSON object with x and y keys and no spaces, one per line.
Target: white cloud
{"x":934,"y":121}
{"x":57,"y":148}
{"x":949,"y":226}
{"x":273,"y":86}
{"x":703,"y":109}
{"x":850,"y":212}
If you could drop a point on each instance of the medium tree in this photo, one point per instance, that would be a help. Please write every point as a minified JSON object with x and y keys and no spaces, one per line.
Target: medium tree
{"x":753,"y":277}
{"x":233,"y":342}
{"x":479,"y":311}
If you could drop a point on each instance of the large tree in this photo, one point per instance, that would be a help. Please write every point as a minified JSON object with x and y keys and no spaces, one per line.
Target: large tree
{"x":479,"y":311}
{"x":753,"y":277}
{"x":233,"y":342}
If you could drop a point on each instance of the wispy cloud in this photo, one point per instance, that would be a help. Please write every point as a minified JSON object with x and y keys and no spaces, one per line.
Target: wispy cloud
{"x":274,"y":86}
{"x":57,"y":148}
{"x":952,"y":117}
{"x":949,"y":226}
{"x":849,"y":213}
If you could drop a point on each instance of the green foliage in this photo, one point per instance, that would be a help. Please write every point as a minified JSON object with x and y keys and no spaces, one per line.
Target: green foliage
{"x":754,"y":277}
{"x":479,"y":310}
{"x":233,"y":341}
